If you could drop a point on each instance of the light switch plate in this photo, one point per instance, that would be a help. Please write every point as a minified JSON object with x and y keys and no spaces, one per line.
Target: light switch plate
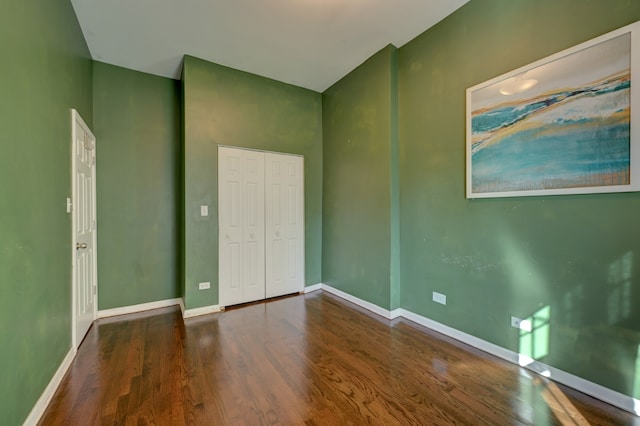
{"x":204,"y":210}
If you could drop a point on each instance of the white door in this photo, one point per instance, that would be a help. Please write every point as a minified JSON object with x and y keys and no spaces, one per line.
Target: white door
{"x":284,"y":212}
{"x":240,"y":226}
{"x":83,"y":228}
{"x":253,"y":235}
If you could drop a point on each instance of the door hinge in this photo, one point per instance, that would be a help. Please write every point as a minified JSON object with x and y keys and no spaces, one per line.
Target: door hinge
{"x":95,"y":290}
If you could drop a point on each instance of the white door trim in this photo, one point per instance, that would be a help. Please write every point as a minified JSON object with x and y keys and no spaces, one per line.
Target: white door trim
{"x":75,"y":339}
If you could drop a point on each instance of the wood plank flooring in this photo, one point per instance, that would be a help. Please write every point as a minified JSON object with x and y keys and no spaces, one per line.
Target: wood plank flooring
{"x":304,"y":360}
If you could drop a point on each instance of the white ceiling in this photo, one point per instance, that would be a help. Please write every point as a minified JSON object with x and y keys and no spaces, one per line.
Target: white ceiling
{"x":308,"y":43}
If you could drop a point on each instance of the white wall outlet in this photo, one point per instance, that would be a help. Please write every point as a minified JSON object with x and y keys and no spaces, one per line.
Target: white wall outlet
{"x":521,"y":324}
{"x":515,"y":322}
{"x":204,"y":286}
{"x":204,"y":210}
{"x":439,"y":298}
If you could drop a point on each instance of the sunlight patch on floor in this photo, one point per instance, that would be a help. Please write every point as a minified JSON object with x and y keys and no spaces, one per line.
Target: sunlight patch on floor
{"x":563,"y":409}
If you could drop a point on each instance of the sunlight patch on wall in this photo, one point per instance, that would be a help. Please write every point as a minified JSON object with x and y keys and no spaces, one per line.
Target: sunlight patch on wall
{"x":534,"y":340}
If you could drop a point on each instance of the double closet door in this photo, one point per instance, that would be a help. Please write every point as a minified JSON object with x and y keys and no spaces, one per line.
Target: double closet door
{"x":260,"y":225}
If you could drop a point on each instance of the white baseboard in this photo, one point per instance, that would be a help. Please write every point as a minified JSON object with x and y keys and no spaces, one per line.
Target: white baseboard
{"x":470,"y":340}
{"x":396,"y":313}
{"x":595,"y":390}
{"x":188,"y":313}
{"x":360,"y":302}
{"x":312,"y":288}
{"x":132,"y":309}
{"x":43,"y":402}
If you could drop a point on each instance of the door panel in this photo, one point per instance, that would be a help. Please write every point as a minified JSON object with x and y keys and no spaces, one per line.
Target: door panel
{"x":241,"y":226}
{"x":230,"y":241}
{"x":84,"y":226}
{"x":254,"y":226}
{"x":284,"y":224}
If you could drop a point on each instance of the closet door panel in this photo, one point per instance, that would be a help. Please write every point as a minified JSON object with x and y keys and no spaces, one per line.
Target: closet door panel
{"x":284,"y":213}
{"x":230,"y":226}
{"x":253,"y":229}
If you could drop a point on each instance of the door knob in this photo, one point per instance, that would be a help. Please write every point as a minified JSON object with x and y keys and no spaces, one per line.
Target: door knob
{"x":81,"y":246}
{"x":253,"y":236}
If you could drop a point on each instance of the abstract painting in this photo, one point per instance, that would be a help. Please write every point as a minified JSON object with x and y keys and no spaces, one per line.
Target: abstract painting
{"x":562,"y":125}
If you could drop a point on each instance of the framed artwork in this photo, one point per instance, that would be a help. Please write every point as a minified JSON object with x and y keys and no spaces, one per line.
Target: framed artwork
{"x":561,"y":125}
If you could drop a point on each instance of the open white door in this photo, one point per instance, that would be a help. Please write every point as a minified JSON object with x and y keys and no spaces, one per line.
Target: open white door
{"x":84,"y":258}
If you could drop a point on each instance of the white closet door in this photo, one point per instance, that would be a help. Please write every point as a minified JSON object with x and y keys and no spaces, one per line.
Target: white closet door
{"x":284,"y":213}
{"x":240,"y":226}
{"x":253,"y":244}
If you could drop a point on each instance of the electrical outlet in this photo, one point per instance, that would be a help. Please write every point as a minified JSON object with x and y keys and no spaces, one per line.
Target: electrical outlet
{"x":439,"y":298}
{"x":521,"y":324}
{"x":204,"y":286}
{"x":515,"y":322}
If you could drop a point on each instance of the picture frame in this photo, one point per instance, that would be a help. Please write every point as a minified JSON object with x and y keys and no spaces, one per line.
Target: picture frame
{"x":561,"y":125}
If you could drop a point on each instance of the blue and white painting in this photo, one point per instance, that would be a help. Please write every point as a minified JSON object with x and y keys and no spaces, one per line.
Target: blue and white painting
{"x":563,"y":124}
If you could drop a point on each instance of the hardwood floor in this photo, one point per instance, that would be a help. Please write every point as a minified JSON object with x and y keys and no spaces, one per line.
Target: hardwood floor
{"x":304,"y":360}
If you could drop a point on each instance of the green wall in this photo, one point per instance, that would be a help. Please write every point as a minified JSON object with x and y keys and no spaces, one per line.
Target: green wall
{"x":137,"y":127}
{"x":46,"y":71}
{"x":223,"y":106}
{"x":393,"y":202}
{"x":360,"y":169}
{"x":493,"y":258}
